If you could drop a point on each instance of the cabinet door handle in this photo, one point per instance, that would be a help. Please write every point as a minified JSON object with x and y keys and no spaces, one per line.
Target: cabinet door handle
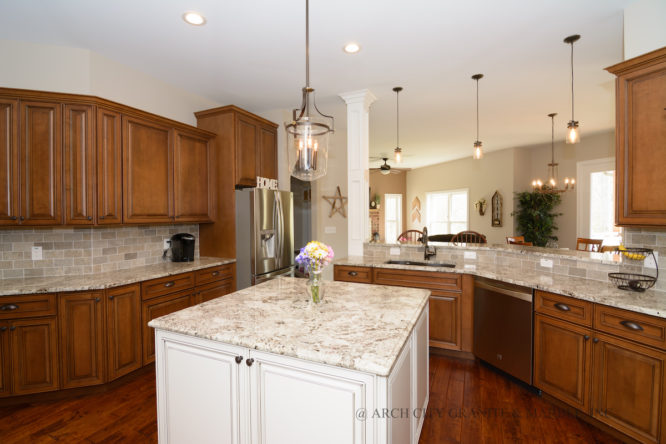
{"x":96,"y":299}
{"x":215,"y":273}
{"x":249,"y":362}
{"x":352,"y":273}
{"x":586,"y":337}
{"x":631,"y":325}
{"x":169,"y":284}
{"x":12,"y":328}
{"x":239,"y":359}
{"x":3,"y":328}
{"x":13,"y":218}
{"x":111,"y":297}
{"x":562,"y":307}
{"x":101,"y":217}
{"x":9,"y":307}
{"x":595,"y":340}
{"x":89,"y":217}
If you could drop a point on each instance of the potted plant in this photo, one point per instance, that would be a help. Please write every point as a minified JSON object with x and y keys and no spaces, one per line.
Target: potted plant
{"x":535,"y":216}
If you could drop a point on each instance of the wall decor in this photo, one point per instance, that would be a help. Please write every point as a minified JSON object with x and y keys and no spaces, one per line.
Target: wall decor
{"x":496,"y":208}
{"x":338,"y":203}
{"x":481,"y":205}
{"x":416,"y":210}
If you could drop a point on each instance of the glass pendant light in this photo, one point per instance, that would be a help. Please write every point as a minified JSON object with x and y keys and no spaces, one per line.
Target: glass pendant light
{"x":308,"y":133}
{"x":397,"y":151}
{"x":478,"y":146}
{"x":573,"y":133}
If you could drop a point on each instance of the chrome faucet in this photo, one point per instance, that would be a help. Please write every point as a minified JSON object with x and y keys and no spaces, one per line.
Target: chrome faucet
{"x":428,"y":252}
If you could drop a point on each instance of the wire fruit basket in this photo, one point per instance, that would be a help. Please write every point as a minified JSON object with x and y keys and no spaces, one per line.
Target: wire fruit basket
{"x":635,"y":281}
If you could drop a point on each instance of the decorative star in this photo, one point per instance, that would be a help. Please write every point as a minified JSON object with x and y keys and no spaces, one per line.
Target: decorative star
{"x":335,"y":207}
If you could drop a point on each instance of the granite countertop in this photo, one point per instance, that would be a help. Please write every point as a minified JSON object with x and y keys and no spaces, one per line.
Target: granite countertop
{"x":357,"y":326}
{"x":650,"y":302}
{"x":99,"y":281}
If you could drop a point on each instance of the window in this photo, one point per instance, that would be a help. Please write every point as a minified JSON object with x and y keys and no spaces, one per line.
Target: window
{"x":392,"y":217}
{"x":446,"y":211}
{"x":596,"y":204}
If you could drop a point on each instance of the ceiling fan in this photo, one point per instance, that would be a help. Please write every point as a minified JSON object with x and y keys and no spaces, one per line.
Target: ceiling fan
{"x":385,"y":168}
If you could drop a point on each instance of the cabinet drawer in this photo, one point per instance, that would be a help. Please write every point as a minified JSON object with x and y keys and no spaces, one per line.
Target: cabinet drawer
{"x":648,"y":330}
{"x":213,"y":290}
{"x":29,"y":305}
{"x":166,"y":285}
{"x":353,"y":274}
{"x":213,"y":274}
{"x":417,"y":279}
{"x":564,"y":307}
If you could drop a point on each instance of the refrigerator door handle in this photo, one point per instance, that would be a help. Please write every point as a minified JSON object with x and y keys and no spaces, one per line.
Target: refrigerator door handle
{"x":276,"y":226}
{"x":280,"y":228}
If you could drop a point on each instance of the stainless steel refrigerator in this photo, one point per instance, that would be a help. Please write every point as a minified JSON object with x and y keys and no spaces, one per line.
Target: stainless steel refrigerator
{"x":264,"y":235}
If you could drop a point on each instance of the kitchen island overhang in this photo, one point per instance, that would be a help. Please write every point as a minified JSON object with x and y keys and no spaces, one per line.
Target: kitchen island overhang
{"x":263,"y":365}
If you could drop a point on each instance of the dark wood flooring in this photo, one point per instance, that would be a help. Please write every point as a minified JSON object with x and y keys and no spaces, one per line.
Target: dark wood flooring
{"x":469,"y":403}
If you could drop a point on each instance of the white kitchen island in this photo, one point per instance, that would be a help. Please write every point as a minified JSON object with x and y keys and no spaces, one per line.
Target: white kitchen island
{"x":262,"y":365}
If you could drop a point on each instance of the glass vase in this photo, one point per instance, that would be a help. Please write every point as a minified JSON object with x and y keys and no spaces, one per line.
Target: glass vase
{"x":315,"y":287}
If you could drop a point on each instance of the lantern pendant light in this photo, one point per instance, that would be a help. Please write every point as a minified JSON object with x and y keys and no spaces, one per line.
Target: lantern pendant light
{"x":308,"y":132}
{"x":573,"y":133}
{"x":397,"y":150}
{"x":478,"y":146}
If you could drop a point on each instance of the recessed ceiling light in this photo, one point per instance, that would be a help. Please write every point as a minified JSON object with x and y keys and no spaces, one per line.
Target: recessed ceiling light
{"x":194,"y":18}
{"x":352,"y":48}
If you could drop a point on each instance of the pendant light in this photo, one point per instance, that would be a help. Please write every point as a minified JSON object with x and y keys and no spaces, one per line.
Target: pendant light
{"x":397,"y":150}
{"x":478,"y":146}
{"x":551,"y":186}
{"x":573,"y":133}
{"x":308,"y":132}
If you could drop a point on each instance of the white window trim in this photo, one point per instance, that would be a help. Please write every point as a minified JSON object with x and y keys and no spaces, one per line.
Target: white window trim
{"x":583,"y":171}
{"x":400,"y":222}
{"x":458,"y":190}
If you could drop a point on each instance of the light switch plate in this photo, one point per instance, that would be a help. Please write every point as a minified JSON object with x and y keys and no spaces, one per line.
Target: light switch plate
{"x":470,"y":254}
{"x":394,"y":251}
{"x":166,"y":243}
{"x":36,"y":253}
{"x":546,"y":263}
{"x":330,"y":230}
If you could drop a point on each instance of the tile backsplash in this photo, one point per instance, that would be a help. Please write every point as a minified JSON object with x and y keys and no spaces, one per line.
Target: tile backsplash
{"x":75,"y":251}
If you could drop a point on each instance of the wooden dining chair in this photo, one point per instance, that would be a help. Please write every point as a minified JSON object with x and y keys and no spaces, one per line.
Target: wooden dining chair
{"x":515,"y":239}
{"x":410,"y":237}
{"x":469,"y":237}
{"x":607,"y":248}
{"x":583,"y":244}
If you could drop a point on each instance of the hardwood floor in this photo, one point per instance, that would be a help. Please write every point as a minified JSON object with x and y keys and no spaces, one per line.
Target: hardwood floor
{"x":469,"y":403}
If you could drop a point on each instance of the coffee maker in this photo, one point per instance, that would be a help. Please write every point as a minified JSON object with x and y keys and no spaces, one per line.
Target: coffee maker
{"x":182,"y":247}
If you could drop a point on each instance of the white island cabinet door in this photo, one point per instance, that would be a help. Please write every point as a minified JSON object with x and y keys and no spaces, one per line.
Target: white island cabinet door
{"x":197,"y":390}
{"x":421,"y":371}
{"x":299,"y":402}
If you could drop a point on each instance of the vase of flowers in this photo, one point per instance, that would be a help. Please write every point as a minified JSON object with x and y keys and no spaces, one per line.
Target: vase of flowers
{"x":314,"y":257}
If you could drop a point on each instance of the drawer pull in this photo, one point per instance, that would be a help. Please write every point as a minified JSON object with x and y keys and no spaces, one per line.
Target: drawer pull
{"x":352,"y":273}
{"x":215,"y":273}
{"x":96,"y":299}
{"x":562,"y":307}
{"x":169,"y":284}
{"x":89,"y":217}
{"x":239,"y":359}
{"x":249,"y":362}
{"x":9,"y":307}
{"x":631,"y":325}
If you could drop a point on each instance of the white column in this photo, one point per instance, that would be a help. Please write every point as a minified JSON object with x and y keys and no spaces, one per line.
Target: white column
{"x":358,"y":152}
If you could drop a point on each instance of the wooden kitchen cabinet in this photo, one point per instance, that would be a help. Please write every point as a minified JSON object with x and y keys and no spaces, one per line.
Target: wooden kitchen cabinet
{"x":9,"y":161}
{"x":147,"y":171}
{"x":193,"y":186}
{"x":563,"y":360}
{"x":628,"y":388}
{"x":154,"y":308}
{"x":640,"y":94}
{"x":40,"y":162}
{"x":268,"y":163}
{"x":79,"y":164}
{"x":5,"y":360}
{"x":212,"y":291}
{"x":109,"y":167}
{"x":445,"y":320}
{"x":247,"y":158}
{"x":34,"y":355}
{"x":123,"y":324}
{"x":352,"y":274}
{"x":82,"y":337}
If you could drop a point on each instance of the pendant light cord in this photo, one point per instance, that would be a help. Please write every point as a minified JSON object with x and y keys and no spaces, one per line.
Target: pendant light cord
{"x":477,"y":110}
{"x":307,"y":43}
{"x":552,"y":140}
{"x":397,"y":119}
{"x":572,"y":84}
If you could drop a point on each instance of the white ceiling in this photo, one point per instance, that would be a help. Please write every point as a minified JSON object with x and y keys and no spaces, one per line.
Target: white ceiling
{"x":251,"y":53}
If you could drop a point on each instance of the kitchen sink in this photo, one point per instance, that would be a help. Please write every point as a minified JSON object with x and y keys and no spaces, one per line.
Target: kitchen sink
{"x":422,"y":264}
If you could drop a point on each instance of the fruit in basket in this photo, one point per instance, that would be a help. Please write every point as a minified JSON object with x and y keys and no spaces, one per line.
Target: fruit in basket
{"x":634,"y":256}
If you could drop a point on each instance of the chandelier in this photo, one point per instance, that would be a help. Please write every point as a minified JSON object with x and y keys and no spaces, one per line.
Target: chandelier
{"x":551,"y":186}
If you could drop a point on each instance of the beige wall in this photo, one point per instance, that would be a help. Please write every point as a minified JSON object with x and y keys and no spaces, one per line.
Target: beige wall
{"x":493,"y":173}
{"x":80,"y":71}
{"x":389,"y":184}
{"x":644,"y":27}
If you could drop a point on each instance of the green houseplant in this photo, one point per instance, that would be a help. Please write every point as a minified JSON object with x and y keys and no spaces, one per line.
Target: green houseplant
{"x":536,"y":216}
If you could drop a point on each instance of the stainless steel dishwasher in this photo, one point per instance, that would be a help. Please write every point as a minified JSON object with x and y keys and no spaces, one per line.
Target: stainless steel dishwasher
{"x":503,"y":327}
